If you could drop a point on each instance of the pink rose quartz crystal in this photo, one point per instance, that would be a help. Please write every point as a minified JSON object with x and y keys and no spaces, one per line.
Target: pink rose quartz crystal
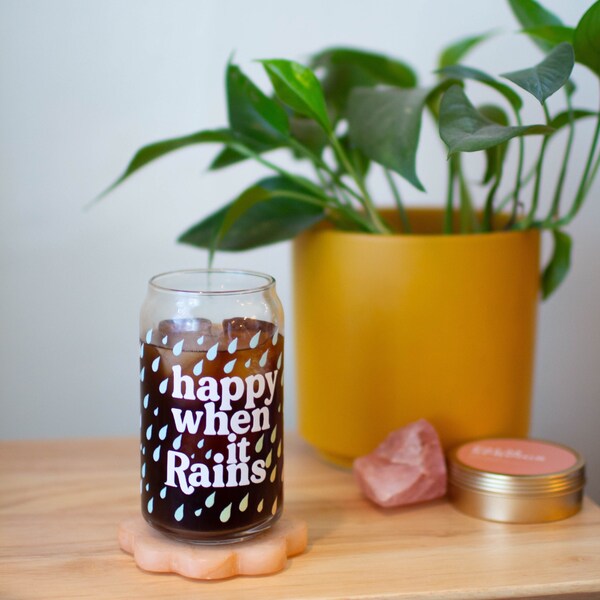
{"x":407,"y":467}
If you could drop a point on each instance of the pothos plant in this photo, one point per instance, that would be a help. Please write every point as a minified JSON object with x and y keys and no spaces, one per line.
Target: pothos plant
{"x":352,"y":110}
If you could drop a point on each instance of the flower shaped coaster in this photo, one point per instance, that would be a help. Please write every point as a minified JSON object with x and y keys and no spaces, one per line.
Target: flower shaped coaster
{"x":267,"y":553}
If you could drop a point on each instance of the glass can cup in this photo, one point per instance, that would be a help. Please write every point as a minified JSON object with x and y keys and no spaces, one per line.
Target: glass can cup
{"x":211,"y":375}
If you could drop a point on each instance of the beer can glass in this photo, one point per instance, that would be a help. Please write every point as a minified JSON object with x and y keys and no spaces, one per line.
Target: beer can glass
{"x":211,"y":375}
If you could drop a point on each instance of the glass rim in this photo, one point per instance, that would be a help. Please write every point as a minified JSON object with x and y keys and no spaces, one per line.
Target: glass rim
{"x":268,"y":282}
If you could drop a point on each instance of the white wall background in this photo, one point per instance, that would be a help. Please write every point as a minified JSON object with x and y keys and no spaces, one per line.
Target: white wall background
{"x":84,"y":84}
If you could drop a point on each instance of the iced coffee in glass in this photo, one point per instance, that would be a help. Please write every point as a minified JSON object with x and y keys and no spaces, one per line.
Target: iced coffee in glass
{"x":211,"y":376}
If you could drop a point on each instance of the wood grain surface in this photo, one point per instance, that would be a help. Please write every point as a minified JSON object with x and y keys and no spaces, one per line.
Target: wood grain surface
{"x":61,"y":502}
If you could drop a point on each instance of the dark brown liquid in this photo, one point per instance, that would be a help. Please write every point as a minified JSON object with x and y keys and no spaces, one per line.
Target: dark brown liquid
{"x":212,"y":427}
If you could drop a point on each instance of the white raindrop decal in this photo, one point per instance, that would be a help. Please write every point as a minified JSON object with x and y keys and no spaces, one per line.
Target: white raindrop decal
{"x":275,"y":337}
{"x":210,"y":500}
{"x":142,"y":350}
{"x":144,"y":450}
{"x":273,"y":434}
{"x":200,"y":444}
{"x":162,"y":434}
{"x":144,"y":470}
{"x":177,"y":442}
{"x":156,"y":411}
{"x":156,"y":454}
{"x":179,"y":513}
{"x":212,"y":352}
{"x":259,"y":444}
{"x":148,"y":336}
{"x":232,"y":346}
{"x":273,"y":474}
{"x":229,"y":366}
{"x":177,"y":348}
{"x":225,"y":514}
{"x":164,"y":340}
{"x":147,"y":487}
{"x":244,"y":503}
{"x":142,"y":373}
{"x":146,"y":398}
{"x":260,"y":506}
{"x":254,"y":340}
{"x":269,"y":459}
{"x":198,"y":368}
{"x":279,"y":361}
{"x":149,"y":432}
{"x":163,"y":493}
{"x":209,"y":454}
{"x":162,"y":388}
{"x":198,"y":512}
{"x":279,"y":449}
{"x":200,"y":340}
{"x":274,"y":509}
{"x":263,"y":359}
{"x":247,"y":363}
{"x":150,"y":505}
{"x":155,"y":364}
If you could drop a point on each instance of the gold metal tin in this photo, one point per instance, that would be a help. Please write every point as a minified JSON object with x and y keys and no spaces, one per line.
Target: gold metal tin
{"x":510,"y":498}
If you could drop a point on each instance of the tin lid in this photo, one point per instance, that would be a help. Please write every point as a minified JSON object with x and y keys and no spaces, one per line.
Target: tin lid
{"x":514,"y":466}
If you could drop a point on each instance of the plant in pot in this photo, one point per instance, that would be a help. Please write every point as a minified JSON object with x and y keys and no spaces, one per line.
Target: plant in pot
{"x":404,"y":313}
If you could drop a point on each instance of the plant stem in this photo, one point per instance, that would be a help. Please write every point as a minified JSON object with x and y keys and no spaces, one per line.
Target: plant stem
{"x":521,"y":160}
{"x":488,"y":211}
{"x":306,"y":184}
{"x":528,"y":177}
{"x":585,"y":184}
{"x":468,"y":218}
{"x":528,"y":220}
{"x":449,"y":213}
{"x":593,"y":174}
{"x":317,"y":160}
{"x":401,"y":210}
{"x":367,"y":201}
{"x":555,"y":208}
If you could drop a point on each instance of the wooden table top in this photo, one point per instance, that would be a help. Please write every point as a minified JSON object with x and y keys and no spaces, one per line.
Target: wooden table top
{"x":61,"y":501}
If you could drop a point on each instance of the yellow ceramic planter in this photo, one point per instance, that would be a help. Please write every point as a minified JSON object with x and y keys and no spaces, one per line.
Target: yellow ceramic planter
{"x":393,"y":328}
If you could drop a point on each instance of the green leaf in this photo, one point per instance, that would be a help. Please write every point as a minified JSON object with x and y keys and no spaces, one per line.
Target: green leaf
{"x":298,"y":87}
{"x":552,"y":34}
{"x":531,"y":14}
{"x":461,"y":72}
{"x":560,"y":263}
{"x":587,"y":39}
{"x":464,"y":129}
{"x":348,"y":68}
{"x":252,"y":114}
{"x":385,"y":125}
{"x":496,"y":155}
{"x":227,"y":157}
{"x":562,"y":119}
{"x":154,"y":151}
{"x":272,"y":218}
{"x":548,"y":76}
{"x":453,"y":54}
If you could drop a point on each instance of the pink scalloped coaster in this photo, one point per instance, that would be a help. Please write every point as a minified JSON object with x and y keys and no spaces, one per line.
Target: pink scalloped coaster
{"x":263,"y":555}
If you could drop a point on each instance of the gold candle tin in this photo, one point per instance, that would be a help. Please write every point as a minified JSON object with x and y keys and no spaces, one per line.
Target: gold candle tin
{"x":516,"y":480}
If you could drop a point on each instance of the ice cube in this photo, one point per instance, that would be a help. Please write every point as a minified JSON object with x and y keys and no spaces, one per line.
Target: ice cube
{"x":245,"y":329}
